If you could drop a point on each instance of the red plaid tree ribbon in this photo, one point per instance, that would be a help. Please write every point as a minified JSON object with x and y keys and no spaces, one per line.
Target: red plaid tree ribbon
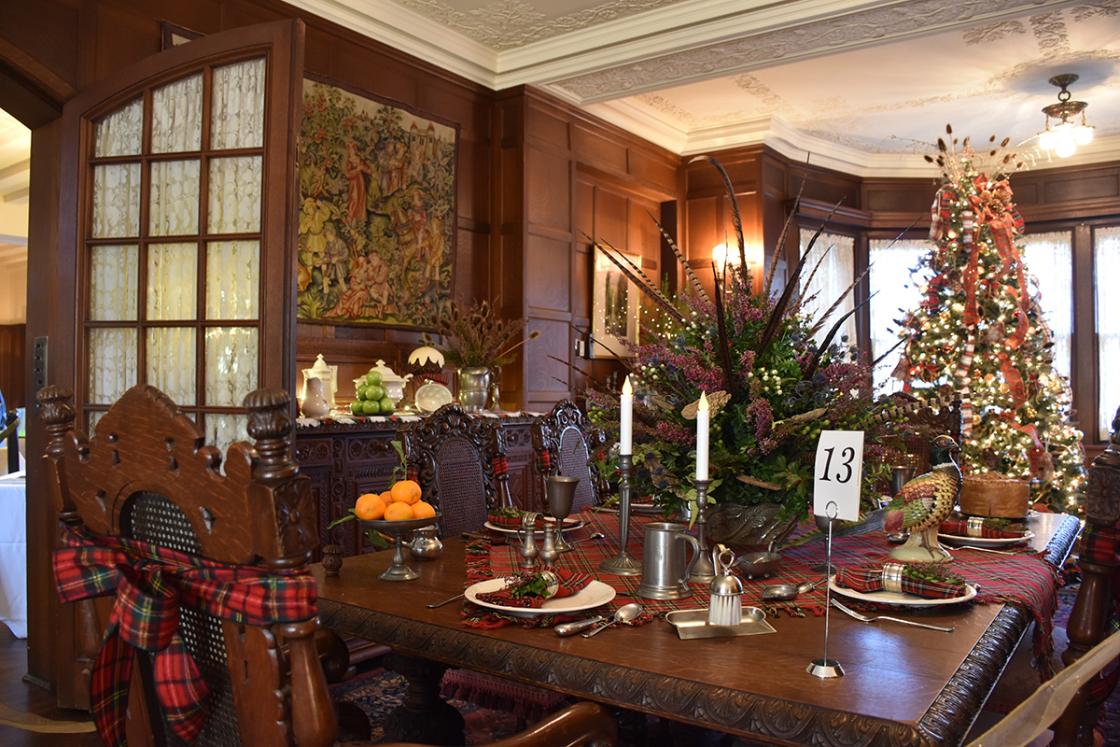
{"x":151,"y":583}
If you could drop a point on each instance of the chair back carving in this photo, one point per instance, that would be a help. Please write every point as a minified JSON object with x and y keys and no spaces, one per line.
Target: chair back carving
{"x":146,"y":474}
{"x":568,"y":437}
{"x":1102,"y":494}
{"x":459,"y":461}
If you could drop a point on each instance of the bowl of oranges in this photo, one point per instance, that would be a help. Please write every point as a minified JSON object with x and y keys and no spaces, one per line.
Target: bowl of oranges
{"x":396,"y":511}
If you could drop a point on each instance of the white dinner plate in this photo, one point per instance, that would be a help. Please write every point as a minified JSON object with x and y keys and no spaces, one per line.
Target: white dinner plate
{"x":954,"y":539}
{"x":570,"y":525}
{"x":897,"y":598}
{"x":593,"y":595}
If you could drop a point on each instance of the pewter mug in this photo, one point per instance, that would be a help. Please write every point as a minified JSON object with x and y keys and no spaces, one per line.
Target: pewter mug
{"x":425,"y":543}
{"x":664,"y":570}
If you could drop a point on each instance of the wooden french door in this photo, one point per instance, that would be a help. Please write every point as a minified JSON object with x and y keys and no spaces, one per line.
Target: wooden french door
{"x":178,"y":207}
{"x":184,"y":223}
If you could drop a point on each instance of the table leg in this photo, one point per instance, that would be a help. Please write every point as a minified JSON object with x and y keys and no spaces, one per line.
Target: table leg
{"x":423,"y":716}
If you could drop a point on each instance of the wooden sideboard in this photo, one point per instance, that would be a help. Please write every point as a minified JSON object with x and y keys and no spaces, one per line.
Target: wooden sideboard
{"x":345,"y":460}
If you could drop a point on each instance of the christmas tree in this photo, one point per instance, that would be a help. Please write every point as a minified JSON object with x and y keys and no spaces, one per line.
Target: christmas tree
{"x":980,"y":332}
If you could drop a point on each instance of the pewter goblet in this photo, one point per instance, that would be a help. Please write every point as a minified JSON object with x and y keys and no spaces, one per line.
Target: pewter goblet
{"x":559,"y":493}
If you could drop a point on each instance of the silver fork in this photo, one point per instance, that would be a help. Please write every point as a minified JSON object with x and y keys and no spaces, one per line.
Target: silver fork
{"x":877,"y":618}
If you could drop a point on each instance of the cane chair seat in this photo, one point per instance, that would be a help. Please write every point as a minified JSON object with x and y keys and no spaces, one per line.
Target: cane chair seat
{"x":564,"y":440}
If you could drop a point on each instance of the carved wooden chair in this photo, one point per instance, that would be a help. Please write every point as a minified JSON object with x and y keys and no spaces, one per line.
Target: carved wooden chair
{"x":460,"y":463}
{"x":922,"y":426}
{"x":1098,"y":599}
{"x":563,"y":441}
{"x":145,"y":475}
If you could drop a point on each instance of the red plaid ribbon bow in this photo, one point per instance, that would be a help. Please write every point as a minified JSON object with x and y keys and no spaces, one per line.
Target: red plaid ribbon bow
{"x":151,"y":583}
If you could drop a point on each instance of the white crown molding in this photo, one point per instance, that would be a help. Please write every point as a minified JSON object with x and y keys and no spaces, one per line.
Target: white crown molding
{"x":655,"y":33}
{"x":412,"y":33}
{"x":801,"y":146}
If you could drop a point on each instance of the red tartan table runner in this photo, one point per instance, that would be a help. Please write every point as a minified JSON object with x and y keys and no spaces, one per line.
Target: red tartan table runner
{"x":1025,"y":578}
{"x":150,"y":584}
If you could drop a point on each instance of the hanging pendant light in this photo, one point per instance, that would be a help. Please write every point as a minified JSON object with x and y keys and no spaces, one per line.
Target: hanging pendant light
{"x":1064,"y":133}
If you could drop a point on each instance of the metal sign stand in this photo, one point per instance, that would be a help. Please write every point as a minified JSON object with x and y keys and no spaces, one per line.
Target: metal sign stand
{"x":824,"y":667}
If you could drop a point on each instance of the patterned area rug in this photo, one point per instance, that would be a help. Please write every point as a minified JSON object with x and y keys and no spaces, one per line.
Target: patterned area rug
{"x":379,"y":691}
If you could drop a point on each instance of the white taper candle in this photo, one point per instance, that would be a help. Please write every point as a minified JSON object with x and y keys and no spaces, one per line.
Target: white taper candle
{"x":626,"y":419}
{"x":702,"y":438}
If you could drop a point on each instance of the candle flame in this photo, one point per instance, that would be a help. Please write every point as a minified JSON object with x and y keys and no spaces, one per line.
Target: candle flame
{"x":702,"y":406}
{"x":626,"y":388}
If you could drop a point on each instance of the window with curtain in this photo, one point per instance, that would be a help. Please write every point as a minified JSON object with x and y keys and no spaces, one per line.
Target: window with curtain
{"x":896,"y":288}
{"x":832,"y":277}
{"x":1049,"y":259}
{"x":1106,"y":262}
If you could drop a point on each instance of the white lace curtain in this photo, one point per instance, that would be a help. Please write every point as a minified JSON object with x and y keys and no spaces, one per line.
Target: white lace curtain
{"x":1049,"y":261}
{"x":832,"y":278}
{"x":1106,"y":259}
{"x":896,"y":281}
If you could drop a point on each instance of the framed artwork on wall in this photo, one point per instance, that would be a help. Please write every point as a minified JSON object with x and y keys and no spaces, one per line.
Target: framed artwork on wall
{"x":377,"y":209}
{"x":615,"y":308}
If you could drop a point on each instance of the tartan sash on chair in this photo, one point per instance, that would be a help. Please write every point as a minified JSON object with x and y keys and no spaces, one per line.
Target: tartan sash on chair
{"x":150,"y":584}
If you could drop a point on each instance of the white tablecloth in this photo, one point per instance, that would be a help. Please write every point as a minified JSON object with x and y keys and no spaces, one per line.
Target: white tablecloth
{"x":13,"y":553}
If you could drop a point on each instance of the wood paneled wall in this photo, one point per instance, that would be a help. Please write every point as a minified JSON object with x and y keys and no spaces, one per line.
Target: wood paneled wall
{"x":580,"y":178}
{"x":11,"y":364}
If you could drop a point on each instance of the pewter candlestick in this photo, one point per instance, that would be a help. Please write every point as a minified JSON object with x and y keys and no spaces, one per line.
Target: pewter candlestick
{"x":623,"y":564}
{"x":703,"y":570}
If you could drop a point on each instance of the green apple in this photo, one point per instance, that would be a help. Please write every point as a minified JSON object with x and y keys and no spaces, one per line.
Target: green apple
{"x":361,"y":392}
{"x":371,"y":407}
{"x":386,"y":405}
{"x":373,"y":378}
{"x":375,"y":392}
{"x":356,"y":407}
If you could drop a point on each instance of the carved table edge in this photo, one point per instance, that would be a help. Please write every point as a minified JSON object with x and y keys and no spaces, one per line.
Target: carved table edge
{"x":956,"y":708}
{"x":729,"y":710}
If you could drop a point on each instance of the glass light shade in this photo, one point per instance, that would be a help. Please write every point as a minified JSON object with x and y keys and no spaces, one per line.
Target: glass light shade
{"x":1065,"y":148}
{"x":1083,"y":135}
{"x":1046,"y":139}
{"x":723,"y":255}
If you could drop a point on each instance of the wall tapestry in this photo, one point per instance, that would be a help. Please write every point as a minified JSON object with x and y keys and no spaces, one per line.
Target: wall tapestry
{"x":615,"y":309}
{"x":377,"y":210}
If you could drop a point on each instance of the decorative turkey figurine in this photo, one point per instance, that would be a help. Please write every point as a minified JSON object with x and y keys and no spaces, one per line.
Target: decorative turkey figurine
{"x":922,"y":504}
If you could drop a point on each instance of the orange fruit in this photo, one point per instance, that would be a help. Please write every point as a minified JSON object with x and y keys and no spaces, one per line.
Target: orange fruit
{"x":399,"y":512}
{"x":369,"y":507}
{"x":405,"y":491}
{"x":423,"y":510}
{"x":386,"y":497}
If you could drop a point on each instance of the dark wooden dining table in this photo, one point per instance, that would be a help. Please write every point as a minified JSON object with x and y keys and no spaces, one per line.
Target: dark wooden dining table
{"x":903,"y":685}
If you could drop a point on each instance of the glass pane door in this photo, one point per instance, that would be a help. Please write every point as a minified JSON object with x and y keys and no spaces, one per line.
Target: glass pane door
{"x":173,"y":249}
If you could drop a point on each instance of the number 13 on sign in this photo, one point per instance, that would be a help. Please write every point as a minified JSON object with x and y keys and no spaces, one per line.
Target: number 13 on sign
{"x":838,"y":474}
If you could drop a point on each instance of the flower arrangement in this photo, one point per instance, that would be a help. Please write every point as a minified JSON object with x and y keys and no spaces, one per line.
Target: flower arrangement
{"x":772,"y":385}
{"x":475,"y":336}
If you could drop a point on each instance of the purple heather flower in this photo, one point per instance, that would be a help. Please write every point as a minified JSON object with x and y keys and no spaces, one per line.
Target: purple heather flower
{"x":759,"y":411}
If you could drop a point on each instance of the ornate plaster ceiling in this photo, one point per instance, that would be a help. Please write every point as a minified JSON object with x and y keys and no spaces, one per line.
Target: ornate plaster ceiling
{"x":857,"y":83}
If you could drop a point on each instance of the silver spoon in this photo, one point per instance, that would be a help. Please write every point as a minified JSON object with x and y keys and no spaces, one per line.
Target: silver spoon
{"x":596,"y":536}
{"x":787,"y":592}
{"x":625,"y":614}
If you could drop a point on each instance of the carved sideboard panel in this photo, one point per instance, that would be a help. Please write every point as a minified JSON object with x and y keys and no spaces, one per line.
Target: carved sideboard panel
{"x":343,"y":461}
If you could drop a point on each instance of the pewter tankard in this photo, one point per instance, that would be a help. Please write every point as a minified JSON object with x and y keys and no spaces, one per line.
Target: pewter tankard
{"x":664,"y":570}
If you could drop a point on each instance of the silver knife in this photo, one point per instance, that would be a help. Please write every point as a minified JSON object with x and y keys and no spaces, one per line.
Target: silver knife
{"x":571,"y":628}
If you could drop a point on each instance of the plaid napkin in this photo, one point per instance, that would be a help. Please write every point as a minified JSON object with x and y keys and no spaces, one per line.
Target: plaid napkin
{"x":959,"y":528}
{"x":514,"y":595}
{"x":867,"y":579}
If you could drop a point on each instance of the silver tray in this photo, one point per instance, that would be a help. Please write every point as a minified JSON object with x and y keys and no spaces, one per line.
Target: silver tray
{"x":694,"y":624}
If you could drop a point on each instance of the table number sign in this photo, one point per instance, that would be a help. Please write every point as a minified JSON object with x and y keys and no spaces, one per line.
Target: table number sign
{"x":838,"y":474}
